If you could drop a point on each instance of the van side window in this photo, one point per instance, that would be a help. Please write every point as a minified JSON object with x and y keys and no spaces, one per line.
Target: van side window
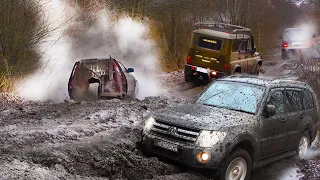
{"x":249,"y":48}
{"x":308,"y":99}
{"x":277,"y":99}
{"x":236,"y":46}
{"x":294,"y":100}
{"x":244,"y":46}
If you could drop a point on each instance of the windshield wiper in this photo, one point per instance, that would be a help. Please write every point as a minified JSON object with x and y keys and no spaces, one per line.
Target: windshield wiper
{"x":213,"y":96}
{"x":239,"y":110}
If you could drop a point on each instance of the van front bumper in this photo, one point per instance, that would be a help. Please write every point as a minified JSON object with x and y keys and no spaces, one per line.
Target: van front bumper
{"x":186,"y":154}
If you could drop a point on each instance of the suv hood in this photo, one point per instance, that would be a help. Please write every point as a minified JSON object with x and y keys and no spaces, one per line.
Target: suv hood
{"x":202,"y":117}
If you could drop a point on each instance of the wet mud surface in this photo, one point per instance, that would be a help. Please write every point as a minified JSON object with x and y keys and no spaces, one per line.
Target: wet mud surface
{"x":98,"y":140}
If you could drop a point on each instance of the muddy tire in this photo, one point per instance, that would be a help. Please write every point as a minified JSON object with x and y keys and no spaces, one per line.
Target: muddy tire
{"x":238,"y":166}
{"x":304,"y":145}
{"x":187,"y":77}
{"x":258,"y":69}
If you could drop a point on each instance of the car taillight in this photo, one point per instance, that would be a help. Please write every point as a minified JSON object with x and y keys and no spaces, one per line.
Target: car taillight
{"x":188,"y":60}
{"x":213,"y":73}
{"x":308,"y":43}
{"x":193,"y":68}
{"x":284,"y":44}
{"x":225,"y":66}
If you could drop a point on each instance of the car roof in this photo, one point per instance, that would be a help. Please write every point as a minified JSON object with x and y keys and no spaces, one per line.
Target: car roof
{"x":267,"y":82}
{"x":303,"y":27}
{"x":93,"y":60}
{"x":220,"y":34}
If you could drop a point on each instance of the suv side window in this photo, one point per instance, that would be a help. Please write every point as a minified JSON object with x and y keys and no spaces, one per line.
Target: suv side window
{"x":308,"y":101}
{"x":277,"y":99}
{"x":294,"y":100}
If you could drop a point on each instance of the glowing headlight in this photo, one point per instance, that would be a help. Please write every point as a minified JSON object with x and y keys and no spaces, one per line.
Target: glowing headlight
{"x":209,"y":138}
{"x":148,"y":124}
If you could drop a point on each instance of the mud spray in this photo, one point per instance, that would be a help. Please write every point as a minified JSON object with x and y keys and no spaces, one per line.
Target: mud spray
{"x":125,"y":40}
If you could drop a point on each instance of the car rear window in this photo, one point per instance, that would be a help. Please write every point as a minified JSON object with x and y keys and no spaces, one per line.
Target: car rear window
{"x":209,"y":43}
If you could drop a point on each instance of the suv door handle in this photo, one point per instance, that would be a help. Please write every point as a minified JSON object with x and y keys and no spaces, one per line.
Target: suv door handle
{"x":283,"y":120}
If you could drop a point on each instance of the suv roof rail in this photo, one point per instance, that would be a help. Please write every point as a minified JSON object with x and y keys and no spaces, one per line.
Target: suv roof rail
{"x":223,"y":27}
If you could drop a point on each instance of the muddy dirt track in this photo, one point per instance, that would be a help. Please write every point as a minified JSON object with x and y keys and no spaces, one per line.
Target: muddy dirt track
{"x":98,"y":140}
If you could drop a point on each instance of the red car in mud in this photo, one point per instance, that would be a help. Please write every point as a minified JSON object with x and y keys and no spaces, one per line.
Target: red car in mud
{"x":101,"y":78}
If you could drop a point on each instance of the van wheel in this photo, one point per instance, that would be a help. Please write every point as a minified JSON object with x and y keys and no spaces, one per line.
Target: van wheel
{"x":237,"y":166}
{"x":187,"y":77}
{"x":304,"y":145}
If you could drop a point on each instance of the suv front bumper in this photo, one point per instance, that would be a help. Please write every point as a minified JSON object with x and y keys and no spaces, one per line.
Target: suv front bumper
{"x":187,"y":154}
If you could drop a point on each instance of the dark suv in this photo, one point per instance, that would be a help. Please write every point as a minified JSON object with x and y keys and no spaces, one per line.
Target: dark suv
{"x":236,"y":124}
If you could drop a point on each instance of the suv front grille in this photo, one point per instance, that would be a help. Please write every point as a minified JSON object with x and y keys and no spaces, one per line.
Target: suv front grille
{"x":173,"y":132}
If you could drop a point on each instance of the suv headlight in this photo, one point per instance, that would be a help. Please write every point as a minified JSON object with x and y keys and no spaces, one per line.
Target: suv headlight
{"x":148,"y":125}
{"x":208,"y":139}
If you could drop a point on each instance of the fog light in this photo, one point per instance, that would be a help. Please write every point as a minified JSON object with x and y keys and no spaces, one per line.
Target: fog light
{"x":203,"y":157}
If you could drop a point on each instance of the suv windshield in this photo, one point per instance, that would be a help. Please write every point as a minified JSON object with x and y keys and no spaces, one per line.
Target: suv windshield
{"x":233,"y":95}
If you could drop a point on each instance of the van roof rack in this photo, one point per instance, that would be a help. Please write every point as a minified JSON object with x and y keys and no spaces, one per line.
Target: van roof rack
{"x":223,"y":27}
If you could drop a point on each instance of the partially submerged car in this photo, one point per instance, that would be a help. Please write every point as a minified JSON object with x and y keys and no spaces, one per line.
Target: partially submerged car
{"x":236,"y":124}
{"x":219,"y":49}
{"x":298,"y":40}
{"x":100,"y":78}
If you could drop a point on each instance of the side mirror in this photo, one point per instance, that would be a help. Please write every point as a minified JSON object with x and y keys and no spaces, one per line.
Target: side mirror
{"x":130,"y":70}
{"x":269,"y":110}
{"x":280,"y":37}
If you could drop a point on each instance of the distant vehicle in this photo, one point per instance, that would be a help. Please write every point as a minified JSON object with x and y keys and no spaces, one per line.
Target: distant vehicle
{"x":236,"y":124}
{"x":219,"y":49}
{"x":100,"y":78}
{"x":298,"y":39}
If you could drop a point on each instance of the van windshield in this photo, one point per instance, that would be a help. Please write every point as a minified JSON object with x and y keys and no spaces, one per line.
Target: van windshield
{"x":237,"y":96}
{"x":209,"y":43}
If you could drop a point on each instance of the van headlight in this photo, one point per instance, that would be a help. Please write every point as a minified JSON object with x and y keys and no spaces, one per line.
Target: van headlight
{"x":148,"y":125}
{"x":208,"y":139}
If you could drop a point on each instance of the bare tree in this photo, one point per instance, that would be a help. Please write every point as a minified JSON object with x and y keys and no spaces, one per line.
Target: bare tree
{"x":22,"y":29}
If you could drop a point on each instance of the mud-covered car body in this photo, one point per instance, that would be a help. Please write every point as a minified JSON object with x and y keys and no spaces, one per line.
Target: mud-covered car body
{"x":219,"y":49}
{"x":113,"y":79}
{"x":232,"y":113}
{"x":298,"y":39}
